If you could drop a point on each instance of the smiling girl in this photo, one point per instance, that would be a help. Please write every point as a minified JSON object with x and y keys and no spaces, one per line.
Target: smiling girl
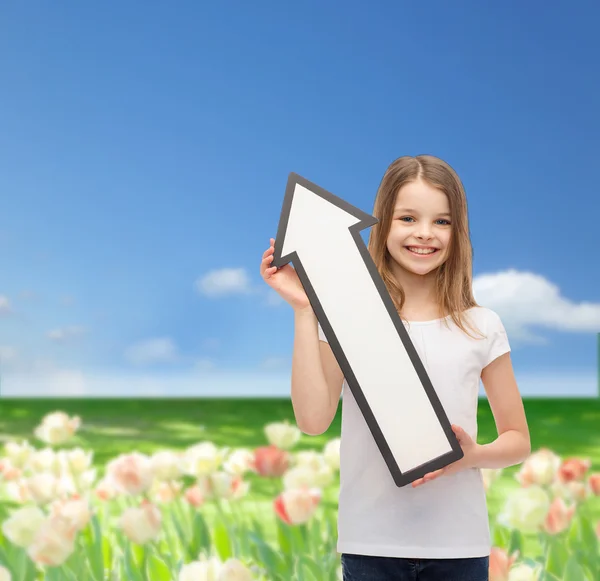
{"x":437,"y":528}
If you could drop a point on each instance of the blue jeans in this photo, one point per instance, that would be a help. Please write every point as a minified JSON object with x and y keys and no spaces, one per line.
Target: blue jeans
{"x":368,"y":568}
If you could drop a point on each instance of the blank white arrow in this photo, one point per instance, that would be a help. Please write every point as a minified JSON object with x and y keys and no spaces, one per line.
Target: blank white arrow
{"x":319,"y":233}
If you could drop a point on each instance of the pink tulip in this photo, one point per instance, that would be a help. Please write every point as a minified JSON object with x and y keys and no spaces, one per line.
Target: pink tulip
{"x":270,"y":461}
{"x":594,"y":482}
{"x":559,"y":516}
{"x":500,"y":564}
{"x":194,"y":495}
{"x":573,"y":469}
{"x":297,"y":505}
{"x":131,"y":472}
{"x":539,"y":468}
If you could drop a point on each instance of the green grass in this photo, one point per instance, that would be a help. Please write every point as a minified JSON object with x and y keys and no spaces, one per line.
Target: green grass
{"x":112,"y":426}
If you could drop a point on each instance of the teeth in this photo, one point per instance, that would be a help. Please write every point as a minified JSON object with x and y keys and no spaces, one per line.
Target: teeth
{"x":421,"y":250}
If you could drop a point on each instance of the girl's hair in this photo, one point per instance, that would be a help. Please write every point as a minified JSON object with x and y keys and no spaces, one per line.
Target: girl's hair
{"x":454,"y":276}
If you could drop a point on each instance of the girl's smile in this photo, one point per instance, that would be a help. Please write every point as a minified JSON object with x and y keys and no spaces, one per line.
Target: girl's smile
{"x":422,"y":251}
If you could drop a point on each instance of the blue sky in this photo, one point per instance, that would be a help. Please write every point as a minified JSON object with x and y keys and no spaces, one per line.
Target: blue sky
{"x":146,"y":149}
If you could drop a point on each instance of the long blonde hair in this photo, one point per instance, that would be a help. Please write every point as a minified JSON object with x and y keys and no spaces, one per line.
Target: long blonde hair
{"x":453,"y":280}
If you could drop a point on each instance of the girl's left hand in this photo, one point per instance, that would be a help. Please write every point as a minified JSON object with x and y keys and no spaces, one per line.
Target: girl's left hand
{"x":469,"y":448}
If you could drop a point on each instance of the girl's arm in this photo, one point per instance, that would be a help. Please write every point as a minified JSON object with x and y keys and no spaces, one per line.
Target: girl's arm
{"x":316,"y":376}
{"x":513,"y":444}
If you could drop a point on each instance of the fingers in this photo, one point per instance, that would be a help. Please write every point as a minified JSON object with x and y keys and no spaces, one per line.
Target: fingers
{"x":265,"y":270}
{"x":428,"y":477}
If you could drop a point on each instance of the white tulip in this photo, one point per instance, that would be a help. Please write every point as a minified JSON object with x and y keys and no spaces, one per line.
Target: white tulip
{"x":282,"y":434}
{"x":239,"y":461}
{"x":57,"y":428}
{"x":53,"y":543}
{"x":305,"y":475}
{"x":79,"y":460}
{"x":525,"y":509}
{"x":141,"y":524}
{"x":18,"y":453}
{"x":167,"y":465}
{"x":235,"y":570}
{"x":523,"y":572}
{"x":5,"y":574}
{"x":75,"y":511}
{"x":331,"y":453}
{"x":22,"y":525}
{"x":44,"y":460}
{"x":203,"y":459}
{"x":228,"y":486}
{"x":201,"y":570}
{"x":43,"y":487}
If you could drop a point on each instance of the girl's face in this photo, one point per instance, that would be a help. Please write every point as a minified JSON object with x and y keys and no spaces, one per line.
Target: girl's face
{"x":420,"y":224}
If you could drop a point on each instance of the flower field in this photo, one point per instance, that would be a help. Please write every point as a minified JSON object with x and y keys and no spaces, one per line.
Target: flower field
{"x":263,"y":511}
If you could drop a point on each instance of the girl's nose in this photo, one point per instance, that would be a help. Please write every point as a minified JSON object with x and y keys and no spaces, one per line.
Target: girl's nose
{"x":424,"y":234}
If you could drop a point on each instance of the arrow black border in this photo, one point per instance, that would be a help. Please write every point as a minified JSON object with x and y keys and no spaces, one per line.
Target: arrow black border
{"x":366,"y":220}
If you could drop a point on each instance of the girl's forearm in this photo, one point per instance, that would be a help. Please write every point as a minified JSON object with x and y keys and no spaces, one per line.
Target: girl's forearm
{"x":509,"y":448}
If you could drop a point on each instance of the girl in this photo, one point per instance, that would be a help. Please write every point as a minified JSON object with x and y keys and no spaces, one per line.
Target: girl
{"x":437,"y":528}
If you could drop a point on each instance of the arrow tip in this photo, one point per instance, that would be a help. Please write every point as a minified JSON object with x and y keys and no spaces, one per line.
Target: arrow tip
{"x":335,"y":212}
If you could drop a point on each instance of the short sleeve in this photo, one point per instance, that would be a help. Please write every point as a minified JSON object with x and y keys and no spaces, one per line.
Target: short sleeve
{"x":497,"y":339}
{"x":322,"y":334}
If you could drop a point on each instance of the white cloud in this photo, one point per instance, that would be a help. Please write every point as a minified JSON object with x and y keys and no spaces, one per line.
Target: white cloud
{"x":204,"y":364}
{"x":274,"y":363}
{"x":157,"y":350}
{"x":200,"y":383}
{"x":65,"y":333}
{"x":226,"y":281}
{"x":7,"y":353}
{"x":235,"y":281}
{"x":561,"y":383}
{"x":524,"y":300}
{"x":5,"y":308}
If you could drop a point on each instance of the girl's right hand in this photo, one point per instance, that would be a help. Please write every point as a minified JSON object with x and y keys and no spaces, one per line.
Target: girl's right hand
{"x":284,"y":281}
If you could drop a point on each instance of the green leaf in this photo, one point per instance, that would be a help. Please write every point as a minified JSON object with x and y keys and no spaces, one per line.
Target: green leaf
{"x":221,"y":541}
{"x":200,"y":540}
{"x":556,"y":558}
{"x":269,"y":558}
{"x":284,"y":537}
{"x":500,"y":536}
{"x":107,"y":554}
{"x":258,"y":529}
{"x":574,"y":571}
{"x":588,"y":535}
{"x":96,"y":556}
{"x":307,"y":569}
{"x":183,"y":538}
{"x":515,"y":542}
{"x":132,"y":570}
{"x":157,"y":569}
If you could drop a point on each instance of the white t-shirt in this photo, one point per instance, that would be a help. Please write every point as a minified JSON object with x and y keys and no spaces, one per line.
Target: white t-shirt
{"x":446,"y":517}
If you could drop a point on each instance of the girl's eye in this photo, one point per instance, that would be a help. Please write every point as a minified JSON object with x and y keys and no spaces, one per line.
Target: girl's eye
{"x":445,"y":222}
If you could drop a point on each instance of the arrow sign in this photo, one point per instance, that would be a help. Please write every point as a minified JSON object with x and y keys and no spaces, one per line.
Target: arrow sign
{"x":320,"y":234}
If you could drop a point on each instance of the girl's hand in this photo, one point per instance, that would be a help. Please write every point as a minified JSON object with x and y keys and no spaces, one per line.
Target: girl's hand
{"x":284,"y":281}
{"x":469,"y":460}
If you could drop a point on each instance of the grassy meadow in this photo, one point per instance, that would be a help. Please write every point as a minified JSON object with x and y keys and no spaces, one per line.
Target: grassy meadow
{"x":111,"y":427}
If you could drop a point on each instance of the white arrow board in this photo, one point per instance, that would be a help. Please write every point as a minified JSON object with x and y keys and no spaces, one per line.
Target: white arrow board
{"x":320,"y":234}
